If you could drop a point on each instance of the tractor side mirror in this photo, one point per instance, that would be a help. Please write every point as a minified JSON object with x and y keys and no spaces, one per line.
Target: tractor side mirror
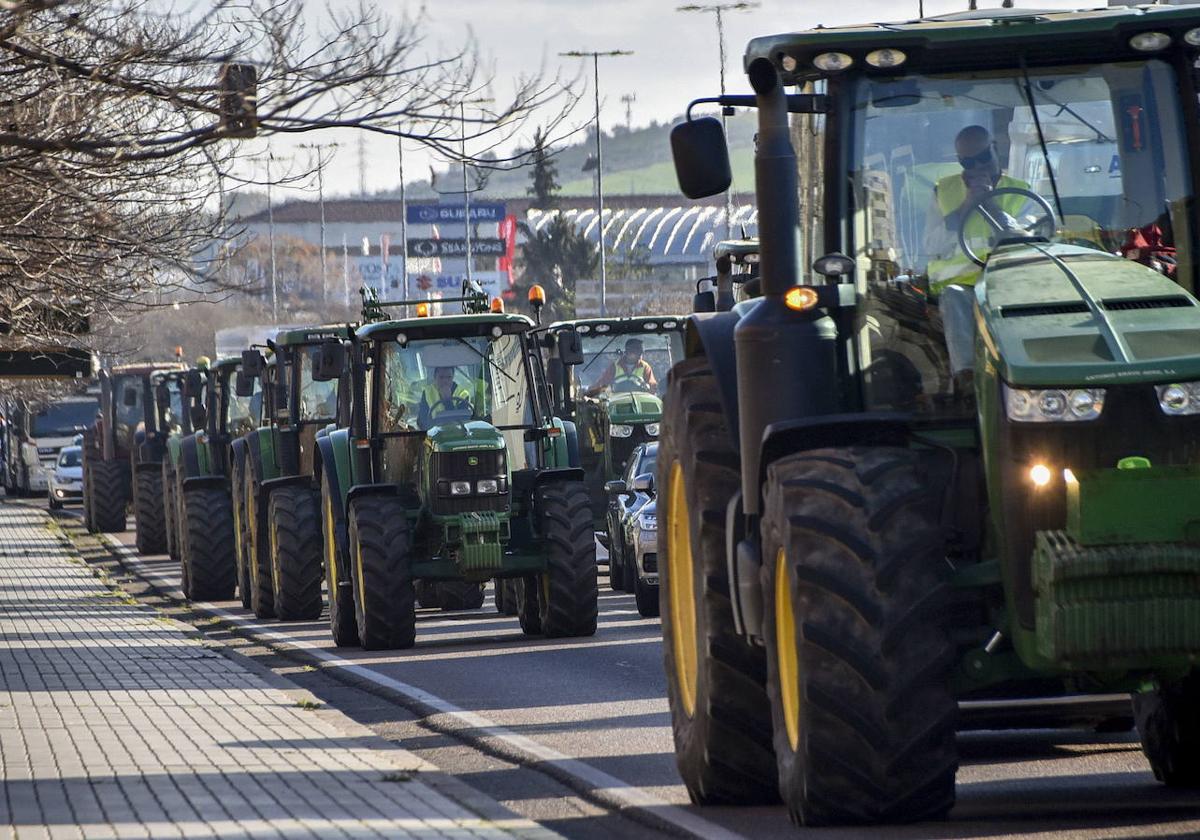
{"x":701,"y":157}
{"x":329,"y":360}
{"x":243,"y":383}
{"x":615,"y":488}
{"x":162,"y":396}
{"x":193,"y":384}
{"x":570,"y":348}
{"x":129,"y":397}
{"x":833,"y":265}
{"x":252,"y":363}
{"x":644,"y":483}
{"x":705,"y":299}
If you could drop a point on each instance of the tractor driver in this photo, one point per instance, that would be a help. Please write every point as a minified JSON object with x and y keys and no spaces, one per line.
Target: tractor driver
{"x":630,"y":372}
{"x":440,"y":396}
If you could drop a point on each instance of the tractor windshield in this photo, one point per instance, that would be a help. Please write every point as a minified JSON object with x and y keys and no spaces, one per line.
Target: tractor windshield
{"x":242,"y":412}
{"x":617,"y":362}
{"x":944,"y":167}
{"x":318,"y":400}
{"x":434,"y":382}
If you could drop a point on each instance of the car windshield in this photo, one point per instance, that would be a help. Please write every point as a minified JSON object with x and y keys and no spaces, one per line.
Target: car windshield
{"x":318,"y":400}
{"x":69,"y":457}
{"x":1089,"y":155}
{"x":609,"y":359}
{"x":64,"y":419}
{"x":447,"y":380}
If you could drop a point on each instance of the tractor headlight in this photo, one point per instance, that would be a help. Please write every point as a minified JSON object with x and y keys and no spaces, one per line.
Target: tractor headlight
{"x":460,"y":488}
{"x":1053,"y":405}
{"x":1179,"y":398}
{"x":652,"y":429}
{"x":487,"y":487}
{"x":620,"y":430}
{"x":648,"y":521}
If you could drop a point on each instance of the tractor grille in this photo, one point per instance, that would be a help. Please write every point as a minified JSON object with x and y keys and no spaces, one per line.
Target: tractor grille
{"x":458,"y":466}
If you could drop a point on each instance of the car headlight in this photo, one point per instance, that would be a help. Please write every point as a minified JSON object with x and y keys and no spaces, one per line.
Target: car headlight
{"x":652,"y":429}
{"x":647,"y":521}
{"x":487,"y":487}
{"x":620,"y":430}
{"x":1053,"y":405}
{"x":460,"y":488}
{"x":1179,"y":398}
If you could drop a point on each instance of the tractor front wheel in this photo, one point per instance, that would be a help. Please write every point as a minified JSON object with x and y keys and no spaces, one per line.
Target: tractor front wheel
{"x":568,"y":601}
{"x":858,"y":661}
{"x":528,"y":612}
{"x":295,"y":542}
{"x":108,"y":496}
{"x":1168,"y":721}
{"x":148,"y":516}
{"x":262,"y":590}
{"x":342,"y":621}
{"x":459,"y":595}
{"x":385,"y":606}
{"x":240,"y":540}
{"x":428,"y":594}
{"x":170,"y":512}
{"x":211,"y":568}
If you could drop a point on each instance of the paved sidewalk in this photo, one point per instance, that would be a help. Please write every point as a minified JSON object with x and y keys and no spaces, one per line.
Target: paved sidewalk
{"x":115,"y":723}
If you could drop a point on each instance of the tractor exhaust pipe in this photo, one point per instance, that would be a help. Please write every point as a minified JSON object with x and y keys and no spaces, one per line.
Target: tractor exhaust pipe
{"x":777,"y":187}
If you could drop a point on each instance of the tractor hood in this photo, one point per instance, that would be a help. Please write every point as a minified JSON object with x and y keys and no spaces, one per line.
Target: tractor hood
{"x":1057,"y":315}
{"x":634,"y":407}
{"x":459,"y":437}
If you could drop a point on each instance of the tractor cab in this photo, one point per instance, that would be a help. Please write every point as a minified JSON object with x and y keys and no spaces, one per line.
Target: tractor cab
{"x":737,"y":276}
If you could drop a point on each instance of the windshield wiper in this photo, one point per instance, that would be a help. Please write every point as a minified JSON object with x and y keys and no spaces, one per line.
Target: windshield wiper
{"x":1037,"y":124}
{"x":494,"y":366}
{"x":600,"y":355}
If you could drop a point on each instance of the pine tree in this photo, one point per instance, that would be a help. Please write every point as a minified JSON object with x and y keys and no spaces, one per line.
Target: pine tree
{"x":544,"y":177}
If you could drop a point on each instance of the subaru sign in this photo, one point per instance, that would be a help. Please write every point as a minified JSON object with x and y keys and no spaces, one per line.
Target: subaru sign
{"x":440,"y":214}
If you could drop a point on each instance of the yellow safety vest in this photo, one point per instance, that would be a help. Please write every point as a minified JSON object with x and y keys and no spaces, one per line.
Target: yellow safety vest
{"x":433,"y":398}
{"x":951,"y":193}
{"x":638,"y":375}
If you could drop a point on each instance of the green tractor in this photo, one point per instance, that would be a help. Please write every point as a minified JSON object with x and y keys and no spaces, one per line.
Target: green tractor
{"x":737,"y":276}
{"x":276,"y":496}
{"x":453,"y":469}
{"x":614,"y":394}
{"x":200,"y":523}
{"x":122,"y":455}
{"x":954,"y":468}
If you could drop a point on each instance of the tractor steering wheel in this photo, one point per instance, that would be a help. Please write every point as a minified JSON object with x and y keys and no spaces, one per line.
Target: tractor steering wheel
{"x":1001,"y":222}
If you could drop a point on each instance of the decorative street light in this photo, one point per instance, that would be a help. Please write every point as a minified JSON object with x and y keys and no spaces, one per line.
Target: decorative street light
{"x":321,"y":160}
{"x":595,"y":56}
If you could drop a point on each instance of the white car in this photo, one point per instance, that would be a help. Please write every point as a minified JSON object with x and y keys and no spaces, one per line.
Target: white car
{"x":66,"y":482}
{"x":645,"y":556}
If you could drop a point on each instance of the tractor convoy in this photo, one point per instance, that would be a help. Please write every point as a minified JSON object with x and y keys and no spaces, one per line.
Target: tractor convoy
{"x":928,"y":444}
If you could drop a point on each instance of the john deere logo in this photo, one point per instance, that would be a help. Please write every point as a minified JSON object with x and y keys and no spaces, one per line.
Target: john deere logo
{"x":472,"y":461}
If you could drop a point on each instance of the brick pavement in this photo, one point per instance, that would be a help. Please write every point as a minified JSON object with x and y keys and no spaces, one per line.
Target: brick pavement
{"x":116,"y":723}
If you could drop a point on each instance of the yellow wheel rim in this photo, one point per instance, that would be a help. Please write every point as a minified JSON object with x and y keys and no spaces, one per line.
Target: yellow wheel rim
{"x":330,"y":546}
{"x":785,"y":644}
{"x":680,"y":579}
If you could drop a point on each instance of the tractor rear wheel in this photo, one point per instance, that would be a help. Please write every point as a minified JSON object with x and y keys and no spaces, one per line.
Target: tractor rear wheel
{"x":716,"y":681}
{"x":459,"y":595}
{"x":240,"y":539}
{"x":1168,"y":721}
{"x":384,"y":600}
{"x":294,"y":527}
{"x":428,"y":595}
{"x":498,"y":594}
{"x":528,"y":613}
{"x":262,"y":591}
{"x":208,"y":545}
{"x":108,"y":496}
{"x":340,"y":592}
{"x":170,"y":512}
{"x":148,"y":516}
{"x":568,"y":601}
{"x":858,"y":661}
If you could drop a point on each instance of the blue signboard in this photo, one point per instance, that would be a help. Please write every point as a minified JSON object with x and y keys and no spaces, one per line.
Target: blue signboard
{"x":442,"y":214}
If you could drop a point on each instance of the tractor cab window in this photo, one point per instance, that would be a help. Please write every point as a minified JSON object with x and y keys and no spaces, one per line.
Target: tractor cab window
{"x":318,"y":400}
{"x":241,"y":412}
{"x":945,"y":167}
{"x":622,"y":362}
{"x":127,"y":401}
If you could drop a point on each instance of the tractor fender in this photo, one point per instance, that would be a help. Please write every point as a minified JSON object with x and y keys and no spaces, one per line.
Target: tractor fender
{"x":329,"y":467}
{"x":571,"y":439}
{"x":263,"y":454}
{"x":284,"y":481}
{"x":526,"y":481}
{"x":710,"y":334}
{"x":872,"y":428}
{"x":193,"y":459}
{"x":140,"y":467}
{"x":197,"y":482}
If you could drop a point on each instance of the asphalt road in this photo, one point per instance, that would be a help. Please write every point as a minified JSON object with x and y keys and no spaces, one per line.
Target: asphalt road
{"x":576,"y":733}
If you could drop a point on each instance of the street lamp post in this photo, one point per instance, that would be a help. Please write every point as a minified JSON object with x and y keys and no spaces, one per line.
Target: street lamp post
{"x":320,"y":147}
{"x":403,"y":218}
{"x":719,"y":9}
{"x":595,"y":56}
{"x":271,"y":241}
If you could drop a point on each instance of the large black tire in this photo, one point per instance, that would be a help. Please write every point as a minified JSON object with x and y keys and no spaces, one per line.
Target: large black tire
{"x":208,"y":545}
{"x":616,"y":565}
{"x":258,"y":549}
{"x":720,"y":715}
{"x":342,"y":622}
{"x":512,"y":600}
{"x":568,"y":601}
{"x":428,"y":595}
{"x":645,"y":595}
{"x":241,"y":540}
{"x":529,"y":614}
{"x":385,"y":605}
{"x":170,"y":512}
{"x":459,"y":595}
{"x":498,"y":594}
{"x":89,"y":523}
{"x":858,"y":660}
{"x":148,"y":516}
{"x":1168,"y":721}
{"x":108,"y":496}
{"x":294,"y":526}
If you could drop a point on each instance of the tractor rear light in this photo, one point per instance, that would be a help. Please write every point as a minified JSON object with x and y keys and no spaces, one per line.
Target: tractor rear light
{"x":620,"y":430}
{"x":1179,"y":398}
{"x":652,"y":429}
{"x":1053,"y":405}
{"x":460,"y":488}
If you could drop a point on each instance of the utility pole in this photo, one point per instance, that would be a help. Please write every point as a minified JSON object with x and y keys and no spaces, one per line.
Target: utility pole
{"x":320,"y":147}
{"x":462,"y":114}
{"x":595,"y":56}
{"x":362,"y":164}
{"x":719,"y":9}
{"x":403,"y":218}
{"x":271,"y":241}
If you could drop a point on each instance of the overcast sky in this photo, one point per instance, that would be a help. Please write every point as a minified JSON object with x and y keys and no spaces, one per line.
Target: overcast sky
{"x":675,"y":55}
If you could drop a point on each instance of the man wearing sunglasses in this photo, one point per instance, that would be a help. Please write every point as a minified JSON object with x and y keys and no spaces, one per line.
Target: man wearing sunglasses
{"x":953,"y":195}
